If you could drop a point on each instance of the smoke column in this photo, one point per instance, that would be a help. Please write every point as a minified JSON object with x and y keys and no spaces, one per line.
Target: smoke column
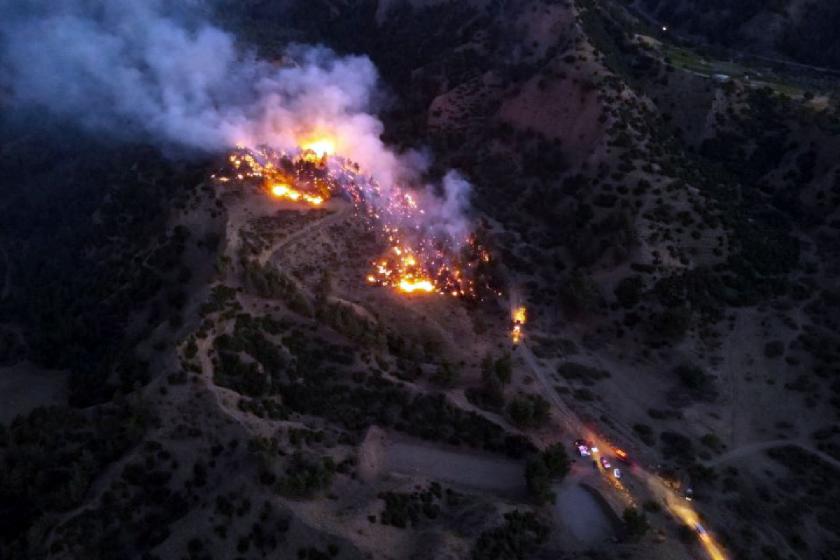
{"x":153,"y":70}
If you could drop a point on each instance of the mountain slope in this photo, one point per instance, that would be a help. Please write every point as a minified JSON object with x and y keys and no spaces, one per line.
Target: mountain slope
{"x":798,"y":29}
{"x":240,"y":390}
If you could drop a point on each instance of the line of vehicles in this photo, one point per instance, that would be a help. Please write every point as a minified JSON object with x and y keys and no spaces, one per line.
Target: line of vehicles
{"x":587,"y":449}
{"x":662,"y":483}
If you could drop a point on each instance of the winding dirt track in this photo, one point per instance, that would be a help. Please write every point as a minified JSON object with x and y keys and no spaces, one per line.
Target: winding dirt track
{"x":759,"y":446}
{"x":275,"y":252}
{"x":570,"y":419}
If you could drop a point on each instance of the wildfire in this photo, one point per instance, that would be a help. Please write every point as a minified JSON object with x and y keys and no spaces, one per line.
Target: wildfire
{"x":411,"y":285}
{"x":320,"y":147}
{"x":280,"y":181}
{"x":403,"y":269}
{"x":519,"y":317}
{"x":282,"y":190}
{"x":416,"y":261}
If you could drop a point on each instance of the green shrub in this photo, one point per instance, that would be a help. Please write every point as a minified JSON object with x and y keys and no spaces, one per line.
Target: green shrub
{"x":629,"y":291}
{"x":531,"y":411}
{"x":306,"y":476}
{"x":446,"y":376}
{"x":645,"y":433}
{"x":774,"y":349}
{"x":519,"y":538}
{"x":635,"y":524}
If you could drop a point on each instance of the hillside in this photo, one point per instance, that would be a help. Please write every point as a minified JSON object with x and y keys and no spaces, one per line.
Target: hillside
{"x":801,"y":30}
{"x":199,"y":369}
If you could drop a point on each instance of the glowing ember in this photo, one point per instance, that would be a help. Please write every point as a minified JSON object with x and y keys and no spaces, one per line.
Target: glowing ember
{"x":409,"y":285}
{"x":282,"y":190}
{"x":519,"y":316}
{"x":320,"y":147}
{"x":304,"y":184}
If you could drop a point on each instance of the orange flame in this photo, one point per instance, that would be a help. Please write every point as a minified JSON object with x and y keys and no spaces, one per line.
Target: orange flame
{"x":411,"y":285}
{"x":321,"y":147}
{"x":520,"y":317}
{"x":316,"y":148}
{"x":285,"y":191}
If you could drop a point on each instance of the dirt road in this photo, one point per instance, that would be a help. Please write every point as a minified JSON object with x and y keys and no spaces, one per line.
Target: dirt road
{"x":573,"y":424}
{"x":759,"y":446}
{"x":618,"y":490}
{"x":455,"y":466}
{"x":275,"y":252}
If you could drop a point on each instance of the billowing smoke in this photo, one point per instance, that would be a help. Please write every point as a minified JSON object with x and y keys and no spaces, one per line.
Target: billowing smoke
{"x":158,"y":71}
{"x":447,"y":214}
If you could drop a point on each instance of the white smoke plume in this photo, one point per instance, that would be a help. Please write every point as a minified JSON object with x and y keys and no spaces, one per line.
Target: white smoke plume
{"x":447,"y":213}
{"x":157,"y":70}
